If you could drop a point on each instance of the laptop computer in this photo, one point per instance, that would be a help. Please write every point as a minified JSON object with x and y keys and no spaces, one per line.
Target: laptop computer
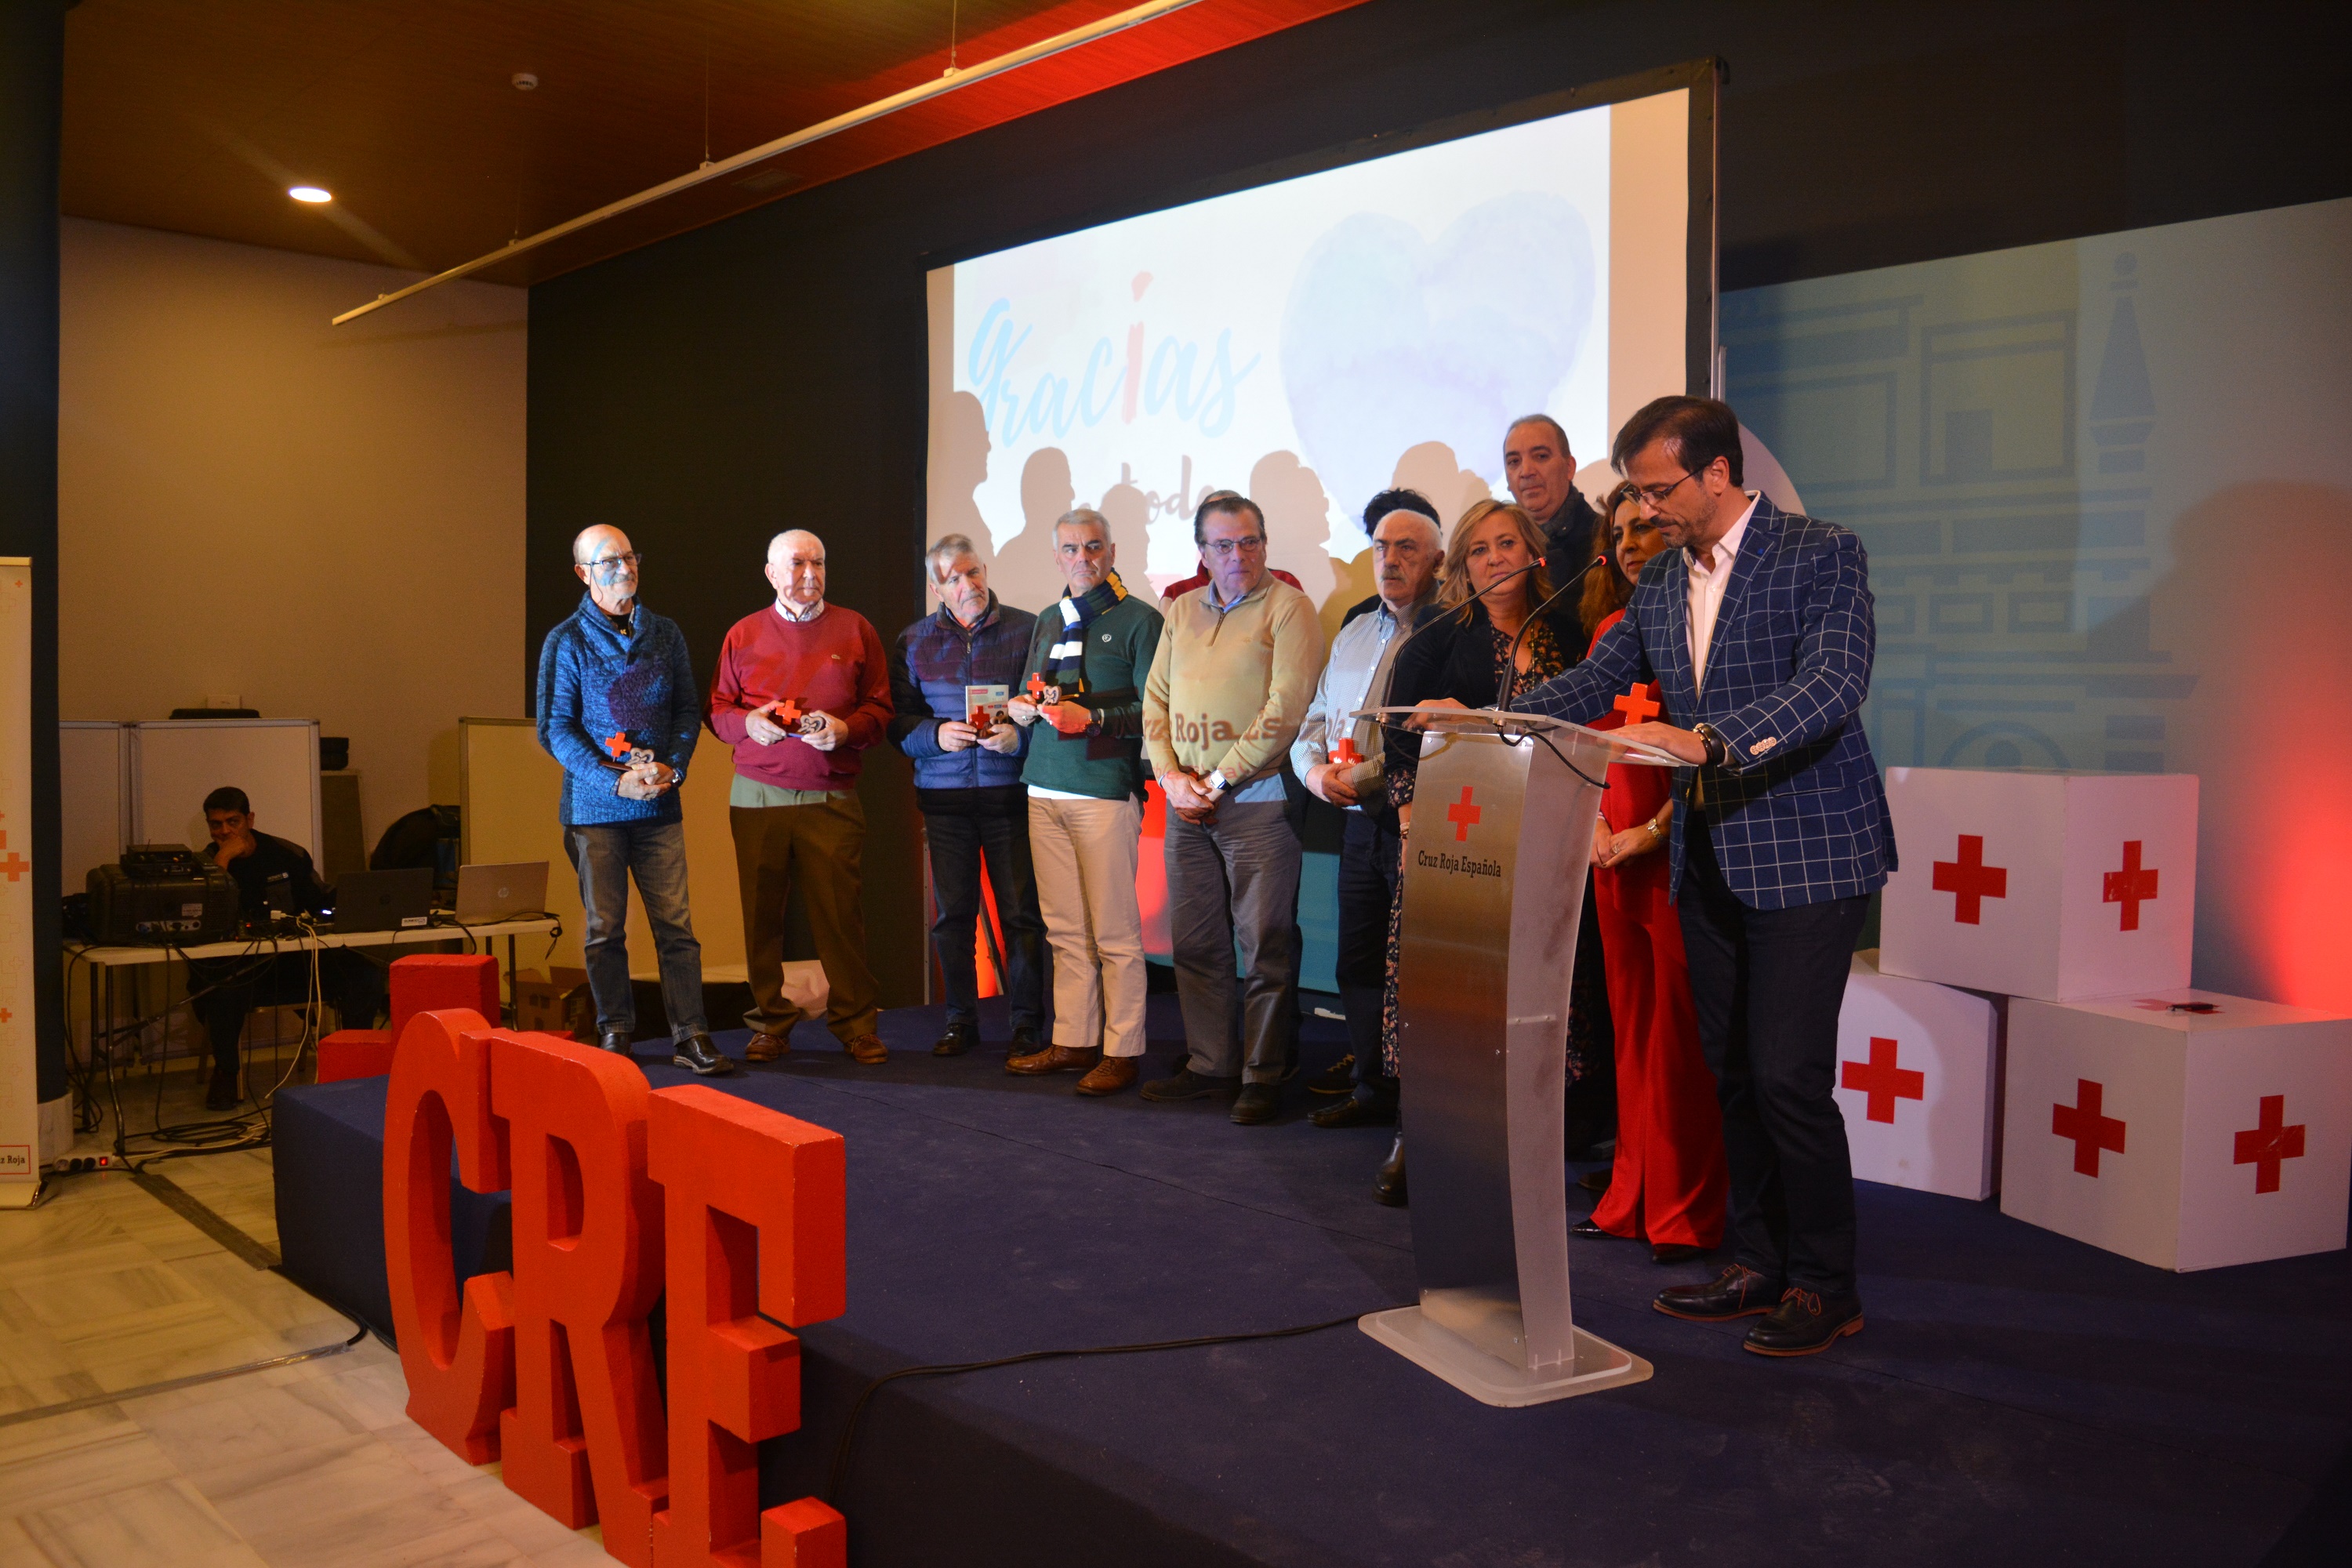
{"x":489,"y":893}
{"x":384,"y":900}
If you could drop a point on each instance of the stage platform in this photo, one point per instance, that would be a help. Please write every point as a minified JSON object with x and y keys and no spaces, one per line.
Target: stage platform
{"x":2015,"y":1398}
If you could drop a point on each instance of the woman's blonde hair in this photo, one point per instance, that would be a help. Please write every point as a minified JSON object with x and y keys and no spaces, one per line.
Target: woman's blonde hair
{"x":1454,"y":577}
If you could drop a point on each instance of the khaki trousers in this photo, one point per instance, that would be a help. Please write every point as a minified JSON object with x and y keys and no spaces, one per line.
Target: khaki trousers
{"x":1085,"y":853}
{"x":819,"y":845}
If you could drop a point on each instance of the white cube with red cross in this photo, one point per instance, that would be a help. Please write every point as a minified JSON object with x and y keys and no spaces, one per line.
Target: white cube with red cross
{"x":2060,"y":885}
{"x":1917,"y":1077}
{"x":2185,"y":1129}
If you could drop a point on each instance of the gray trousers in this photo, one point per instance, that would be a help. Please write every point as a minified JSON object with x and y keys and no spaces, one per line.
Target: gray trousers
{"x":1234,"y":882}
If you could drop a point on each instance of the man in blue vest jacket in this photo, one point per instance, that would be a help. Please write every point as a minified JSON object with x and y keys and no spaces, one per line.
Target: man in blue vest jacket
{"x":619,"y":709}
{"x":968,"y":784}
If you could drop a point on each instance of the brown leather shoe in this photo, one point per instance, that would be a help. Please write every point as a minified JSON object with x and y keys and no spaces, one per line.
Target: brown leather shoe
{"x":1114,"y":1074}
{"x":764,"y":1048}
{"x":867,"y":1050}
{"x":1053,"y":1058}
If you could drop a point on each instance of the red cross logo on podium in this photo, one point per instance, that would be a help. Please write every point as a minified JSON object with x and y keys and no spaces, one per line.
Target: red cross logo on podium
{"x":1464,"y":816}
{"x":15,"y":866}
{"x":1881,"y":1079}
{"x":2090,"y":1131}
{"x":1971,"y":880}
{"x":2268,"y":1143}
{"x":1637,"y":707}
{"x":2131,"y":886}
{"x":1345,"y":753}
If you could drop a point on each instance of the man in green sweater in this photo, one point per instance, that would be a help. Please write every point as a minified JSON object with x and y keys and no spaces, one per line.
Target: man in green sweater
{"x":1085,"y":778}
{"x":1236,"y":669}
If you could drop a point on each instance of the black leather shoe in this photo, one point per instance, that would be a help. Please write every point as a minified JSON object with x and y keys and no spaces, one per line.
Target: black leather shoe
{"x":1805,"y":1323}
{"x":616,"y":1041}
{"x":697,"y":1052}
{"x":1674,"y":1252}
{"x":1339,"y":1077}
{"x":959,"y":1037}
{"x":1025,"y":1040}
{"x":1738,"y":1292}
{"x":1189,"y":1085}
{"x":1354,"y":1111}
{"x":1586,"y":1227}
{"x":1389,"y":1185}
{"x":222,"y":1094}
{"x":1257,"y":1103}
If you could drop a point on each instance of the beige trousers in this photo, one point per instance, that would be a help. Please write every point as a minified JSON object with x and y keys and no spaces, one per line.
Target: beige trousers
{"x":1085,"y":852}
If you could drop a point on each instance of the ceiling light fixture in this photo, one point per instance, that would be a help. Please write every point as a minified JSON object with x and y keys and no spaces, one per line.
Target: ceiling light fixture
{"x":725,"y":167}
{"x":311,"y":194}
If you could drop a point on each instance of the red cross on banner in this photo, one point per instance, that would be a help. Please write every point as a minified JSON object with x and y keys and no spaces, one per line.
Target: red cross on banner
{"x":2131,"y":886}
{"x":2269,"y":1143}
{"x":1345,"y":753}
{"x":1464,"y":816}
{"x":2090,"y":1131}
{"x":1970,"y":880}
{"x":1881,"y":1079}
{"x":15,"y":866}
{"x":1637,"y":707}
{"x":617,"y":743}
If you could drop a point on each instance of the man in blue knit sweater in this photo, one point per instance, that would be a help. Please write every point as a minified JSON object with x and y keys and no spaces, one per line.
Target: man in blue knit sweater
{"x":619,"y":709}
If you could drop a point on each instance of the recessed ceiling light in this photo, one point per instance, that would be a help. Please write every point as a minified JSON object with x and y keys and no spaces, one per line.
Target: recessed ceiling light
{"x":310,"y":193}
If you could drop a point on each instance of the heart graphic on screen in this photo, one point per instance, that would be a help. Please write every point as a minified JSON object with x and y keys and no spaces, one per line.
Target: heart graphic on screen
{"x":1388,"y":339}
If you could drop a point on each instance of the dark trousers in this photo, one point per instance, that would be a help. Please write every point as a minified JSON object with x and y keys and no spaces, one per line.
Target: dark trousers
{"x":348,"y":982}
{"x":819,"y":846}
{"x":1767,"y":985}
{"x":1369,"y":873}
{"x":958,"y":844}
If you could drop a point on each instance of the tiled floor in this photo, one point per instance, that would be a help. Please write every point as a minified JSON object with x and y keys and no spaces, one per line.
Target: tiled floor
{"x":104,"y":1289}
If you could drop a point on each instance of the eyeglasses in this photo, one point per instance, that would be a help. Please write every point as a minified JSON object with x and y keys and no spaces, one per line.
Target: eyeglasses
{"x":607,"y":566}
{"x":1224,"y":549}
{"x":1656,"y":495}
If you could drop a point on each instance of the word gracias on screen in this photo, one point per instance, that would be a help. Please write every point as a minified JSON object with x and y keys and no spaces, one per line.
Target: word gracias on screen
{"x":622,"y":1192}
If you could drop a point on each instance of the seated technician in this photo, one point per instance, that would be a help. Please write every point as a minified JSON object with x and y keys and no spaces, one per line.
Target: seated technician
{"x":268,"y":869}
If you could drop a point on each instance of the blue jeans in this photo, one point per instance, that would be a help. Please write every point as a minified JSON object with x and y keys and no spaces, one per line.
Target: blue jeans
{"x":607,"y":854}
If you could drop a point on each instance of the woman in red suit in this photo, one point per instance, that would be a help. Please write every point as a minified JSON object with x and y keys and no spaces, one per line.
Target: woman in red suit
{"x":1668,"y":1183}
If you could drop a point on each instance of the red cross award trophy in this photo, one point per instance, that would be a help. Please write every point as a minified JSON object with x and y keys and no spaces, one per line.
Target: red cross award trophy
{"x":1493,"y":889}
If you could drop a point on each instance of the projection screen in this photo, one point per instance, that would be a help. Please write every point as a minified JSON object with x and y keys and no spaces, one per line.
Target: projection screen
{"x":1375,"y":315}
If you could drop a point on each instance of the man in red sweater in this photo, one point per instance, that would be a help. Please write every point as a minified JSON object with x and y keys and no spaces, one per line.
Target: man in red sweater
{"x":802,"y":689}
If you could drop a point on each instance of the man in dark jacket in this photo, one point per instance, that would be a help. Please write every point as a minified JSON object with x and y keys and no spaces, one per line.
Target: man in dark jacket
{"x":619,"y":709}
{"x":1541,"y":473}
{"x":968,"y":761}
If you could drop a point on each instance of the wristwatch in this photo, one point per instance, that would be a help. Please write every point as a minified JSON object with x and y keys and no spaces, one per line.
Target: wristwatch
{"x":1217,"y":781}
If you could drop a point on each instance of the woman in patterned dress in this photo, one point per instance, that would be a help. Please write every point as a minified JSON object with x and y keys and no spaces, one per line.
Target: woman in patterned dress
{"x":1488,"y":589}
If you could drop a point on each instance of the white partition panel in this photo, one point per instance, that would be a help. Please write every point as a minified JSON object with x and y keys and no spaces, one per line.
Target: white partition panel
{"x":94,"y":787}
{"x":512,"y":793}
{"x":176,"y":762}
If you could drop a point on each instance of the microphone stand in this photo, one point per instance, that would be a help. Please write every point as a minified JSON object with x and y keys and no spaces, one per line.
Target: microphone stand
{"x":1511,"y":665}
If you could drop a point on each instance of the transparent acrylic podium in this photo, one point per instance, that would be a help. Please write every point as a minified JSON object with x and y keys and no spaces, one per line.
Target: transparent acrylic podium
{"x":1493,"y":886}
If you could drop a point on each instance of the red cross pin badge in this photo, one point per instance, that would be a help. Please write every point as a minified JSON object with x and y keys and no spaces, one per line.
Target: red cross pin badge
{"x":1970,"y":880}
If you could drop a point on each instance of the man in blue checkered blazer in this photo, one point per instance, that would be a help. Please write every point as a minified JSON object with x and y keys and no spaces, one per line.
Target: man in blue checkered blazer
{"x":1757,"y":625}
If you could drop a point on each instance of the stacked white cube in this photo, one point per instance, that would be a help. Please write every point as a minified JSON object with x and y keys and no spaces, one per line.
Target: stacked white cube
{"x":1917,"y":1076}
{"x":2183,"y":1129}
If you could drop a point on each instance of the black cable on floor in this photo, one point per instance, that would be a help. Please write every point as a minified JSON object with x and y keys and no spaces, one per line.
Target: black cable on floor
{"x":843,"y":1454}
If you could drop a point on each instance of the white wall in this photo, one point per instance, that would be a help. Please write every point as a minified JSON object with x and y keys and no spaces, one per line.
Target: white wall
{"x":324,"y":521}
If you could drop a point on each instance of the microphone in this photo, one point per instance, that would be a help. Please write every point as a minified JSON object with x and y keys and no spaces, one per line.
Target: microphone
{"x":1431,"y":615}
{"x":1511,"y":665}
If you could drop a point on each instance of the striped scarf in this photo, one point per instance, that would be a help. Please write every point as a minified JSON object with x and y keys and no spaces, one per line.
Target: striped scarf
{"x":1069,"y":655}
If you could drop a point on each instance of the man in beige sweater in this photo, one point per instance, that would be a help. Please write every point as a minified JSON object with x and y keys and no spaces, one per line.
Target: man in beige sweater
{"x":1236,"y":668}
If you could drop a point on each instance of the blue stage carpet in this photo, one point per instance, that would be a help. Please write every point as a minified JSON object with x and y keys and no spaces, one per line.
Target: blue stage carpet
{"x":2016,"y":1397}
